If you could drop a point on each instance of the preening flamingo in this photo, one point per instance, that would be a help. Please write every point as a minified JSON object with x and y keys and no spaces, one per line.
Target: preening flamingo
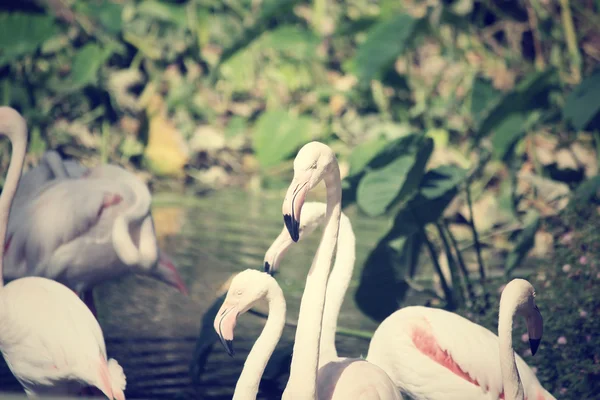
{"x":348,"y":378}
{"x":85,"y":229}
{"x":246,"y":289}
{"x":406,"y":347}
{"x":50,"y":340}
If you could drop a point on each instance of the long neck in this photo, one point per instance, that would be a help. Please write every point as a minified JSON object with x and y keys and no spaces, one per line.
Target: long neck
{"x":247,"y":385}
{"x":14,"y":127}
{"x":513,"y":389}
{"x":135,"y":217}
{"x":303,"y":371}
{"x":338,"y":282}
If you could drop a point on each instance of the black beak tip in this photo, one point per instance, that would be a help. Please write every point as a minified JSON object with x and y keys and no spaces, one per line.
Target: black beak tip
{"x":534,"y":344}
{"x":229,"y":347}
{"x":293,"y":227}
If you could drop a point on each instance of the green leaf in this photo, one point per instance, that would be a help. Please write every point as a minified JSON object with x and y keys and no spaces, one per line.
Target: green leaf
{"x":22,"y":34}
{"x":108,"y":13}
{"x":586,"y":191}
{"x":438,"y":188}
{"x":390,"y":181}
{"x":483,"y":95}
{"x":86,"y":64}
{"x":379,"y":187}
{"x":442,"y":179}
{"x":363,"y":153}
{"x":530,"y":94}
{"x":506,"y":133}
{"x":385,"y":42}
{"x":163,"y":11}
{"x":583,"y":103}
{"x":277,"y":134}
{"x":293,"y":41}
{"x":524,"y":243}
{"x":236,"y":126}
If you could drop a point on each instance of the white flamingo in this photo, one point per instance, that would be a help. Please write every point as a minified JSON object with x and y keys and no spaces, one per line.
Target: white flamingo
{"x":406,"y":347}
{"x":347,"y":378}
{"x":248,"y":288}
{"x":50,"y":340}
{"x":102,"y":212}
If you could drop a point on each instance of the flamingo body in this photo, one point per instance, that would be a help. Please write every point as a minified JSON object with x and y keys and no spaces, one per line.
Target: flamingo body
{"x":435,"y":354}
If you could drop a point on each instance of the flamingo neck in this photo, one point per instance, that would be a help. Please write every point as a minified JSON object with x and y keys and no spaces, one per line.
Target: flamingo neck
{"x":136,"y":217}
{"x":12,"y":125}
{"x":337,"y":285}
{"x":511,"y":381}
{"x":256,"y":362}
{"x":303,"y":371}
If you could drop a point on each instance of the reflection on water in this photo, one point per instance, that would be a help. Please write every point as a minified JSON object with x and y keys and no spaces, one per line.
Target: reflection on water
{"x":151,"y":329}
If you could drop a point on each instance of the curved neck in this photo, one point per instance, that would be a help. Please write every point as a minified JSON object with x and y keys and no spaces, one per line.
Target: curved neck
{"x":303,"y":371}
{"x":247,"y":385}
{"x":337,"y":285}
{"x":137,"y":214}
{"x":14,"y":127}
{"x":513,"y":389}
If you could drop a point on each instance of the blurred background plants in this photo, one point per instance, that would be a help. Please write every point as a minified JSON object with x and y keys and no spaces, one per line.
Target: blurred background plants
{"x":467,"y":124}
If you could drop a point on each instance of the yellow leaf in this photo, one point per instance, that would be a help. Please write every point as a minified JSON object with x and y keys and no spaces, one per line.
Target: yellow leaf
{"x":166,"y":152}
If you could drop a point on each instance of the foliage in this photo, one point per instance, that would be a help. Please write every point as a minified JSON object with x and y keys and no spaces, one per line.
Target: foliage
{"x":437,"y":110}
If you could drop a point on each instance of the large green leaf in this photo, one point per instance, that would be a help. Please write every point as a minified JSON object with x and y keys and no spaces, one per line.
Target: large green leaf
{"x":164,"y":11}
{"x":379,"y":187}
{"x":438,"y":187}
{"x":363,"y":153}
{"x":483,"y":96}
{"x":530,"y":94}
{"x":385,"y":42}
{"x":22,"y":34}
{"x":383,"y":186}
{"x":583,"y":103}
{"x":86,"y":64}
{"x":108,"y":13}
{"x":277,"y":134}
{"x":292,"y":41}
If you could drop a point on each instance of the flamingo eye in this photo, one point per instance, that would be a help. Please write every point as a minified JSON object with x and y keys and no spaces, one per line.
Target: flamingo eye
{"x":239,"y":292}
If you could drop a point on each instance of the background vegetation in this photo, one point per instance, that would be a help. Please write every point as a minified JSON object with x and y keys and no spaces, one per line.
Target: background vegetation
{"x":467,"y":123}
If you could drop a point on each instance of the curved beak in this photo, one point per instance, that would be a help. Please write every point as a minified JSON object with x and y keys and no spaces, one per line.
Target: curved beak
{"x":292,"y":204}
{"x":535,"y":328}
{"x":166,"y":272}
{"x":224,"y":326}
{"x":277,"y":250}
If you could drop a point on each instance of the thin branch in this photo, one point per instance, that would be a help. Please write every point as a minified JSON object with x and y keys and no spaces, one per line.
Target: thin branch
{"x":461,"y":264}
{"x":436,"y":265}
{"x":456,"y":284}
{"x":475,"y":234}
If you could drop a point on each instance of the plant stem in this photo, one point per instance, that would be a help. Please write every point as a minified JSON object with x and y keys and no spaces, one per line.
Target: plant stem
{"x":486,"y":297}
{"x":571,"y":38}
{"x":456,"y":284}
{"x":450,"y":304}
{"x":461,"y":264}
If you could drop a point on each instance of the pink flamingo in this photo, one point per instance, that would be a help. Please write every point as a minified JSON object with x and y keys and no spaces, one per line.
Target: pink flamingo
{"x":50,"y":340}
{"x":102,"y":212}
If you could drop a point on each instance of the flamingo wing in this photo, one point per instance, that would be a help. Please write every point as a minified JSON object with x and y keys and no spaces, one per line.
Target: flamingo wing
{"x":49,"y":339}
{"x":65,"y":215}
{"x":441,"y":355}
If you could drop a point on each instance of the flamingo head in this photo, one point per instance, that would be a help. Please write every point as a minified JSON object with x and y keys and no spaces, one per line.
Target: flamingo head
{"x":246,"y":289}
{"x":312,"y":164}
{"x":523,"y":293}
{"x":312,"y":216}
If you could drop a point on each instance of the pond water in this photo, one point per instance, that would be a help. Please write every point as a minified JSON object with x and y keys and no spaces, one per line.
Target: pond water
{"x":152,"y":330}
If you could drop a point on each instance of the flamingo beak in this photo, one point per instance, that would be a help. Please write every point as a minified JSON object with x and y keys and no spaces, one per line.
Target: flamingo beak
{"x":292,"y":204}
{"x":535,"y":329}
{"x":277,"y":250}
{"x":224,"y":325}
{"x":167,"y":272}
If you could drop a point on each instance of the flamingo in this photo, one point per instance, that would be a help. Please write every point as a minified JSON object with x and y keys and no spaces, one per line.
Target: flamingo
{"x":103,"y":212}
{"x":248,"y":288}
{"x":338,"y":379}
{"x":50,"y":340}
{"x":398,"y":336}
